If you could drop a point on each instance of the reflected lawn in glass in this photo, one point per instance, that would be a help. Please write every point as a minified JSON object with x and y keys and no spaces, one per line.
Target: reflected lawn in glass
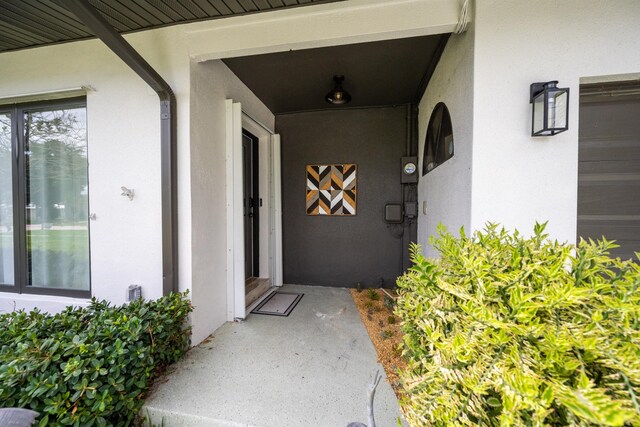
{"x":6,"y":259}
{"x":59,"y":257}
{"x":56,"y":208}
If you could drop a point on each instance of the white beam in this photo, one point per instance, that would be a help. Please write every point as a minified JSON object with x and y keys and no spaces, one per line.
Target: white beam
{"x":352,"y":21}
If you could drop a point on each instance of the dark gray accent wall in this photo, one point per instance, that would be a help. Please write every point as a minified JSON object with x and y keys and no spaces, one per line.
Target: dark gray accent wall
{"x":342,"y":251}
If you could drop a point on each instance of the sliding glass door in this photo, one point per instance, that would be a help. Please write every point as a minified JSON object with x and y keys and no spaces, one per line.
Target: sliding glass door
{"x":56,"y":202}
{"x":7,"y":266}
{"x":45,"y":223}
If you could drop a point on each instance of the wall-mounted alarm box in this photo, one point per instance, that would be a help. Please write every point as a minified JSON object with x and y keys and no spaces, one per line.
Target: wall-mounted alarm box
{"x":409,"y":171}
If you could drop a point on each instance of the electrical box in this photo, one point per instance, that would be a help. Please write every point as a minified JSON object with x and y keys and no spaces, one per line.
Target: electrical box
{"x":393,"y":213}
{"x":409,"y":172}
{"x":411,"y":209}
{"x":134,"y":292}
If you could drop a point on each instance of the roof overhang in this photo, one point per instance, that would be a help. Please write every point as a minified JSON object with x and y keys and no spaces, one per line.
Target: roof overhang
{"x":32,"y":23}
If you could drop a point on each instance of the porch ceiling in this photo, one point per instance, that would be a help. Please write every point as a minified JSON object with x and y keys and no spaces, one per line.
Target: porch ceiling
{"x":31,"y":23}
{"x":389,"y":72}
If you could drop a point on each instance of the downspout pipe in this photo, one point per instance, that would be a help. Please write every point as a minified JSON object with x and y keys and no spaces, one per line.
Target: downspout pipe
{"x":90,"y":17}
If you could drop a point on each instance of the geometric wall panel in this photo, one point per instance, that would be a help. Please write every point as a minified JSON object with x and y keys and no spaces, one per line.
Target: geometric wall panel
{"x":331,"y":189}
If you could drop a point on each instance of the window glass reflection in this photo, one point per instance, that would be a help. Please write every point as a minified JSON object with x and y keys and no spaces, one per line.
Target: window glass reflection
{"x":6,"y":202}
{"x":56,"y":198}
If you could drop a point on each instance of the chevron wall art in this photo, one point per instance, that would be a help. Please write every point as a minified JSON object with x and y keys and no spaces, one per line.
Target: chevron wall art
{"x":331,"y":189}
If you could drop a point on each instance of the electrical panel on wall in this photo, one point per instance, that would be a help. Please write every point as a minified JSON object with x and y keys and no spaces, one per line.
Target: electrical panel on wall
{"x":409,"y":170}
{"x":393,"y":213}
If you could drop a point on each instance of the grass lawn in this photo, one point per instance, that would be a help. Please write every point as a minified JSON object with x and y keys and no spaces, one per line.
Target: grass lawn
{"x":76,"y":241}
{"x":70,"y":241}
{"x":58,"y":258}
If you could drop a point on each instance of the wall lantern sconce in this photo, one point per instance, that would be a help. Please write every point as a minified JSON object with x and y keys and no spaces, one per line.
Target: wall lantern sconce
{"x":338,"y":96}
{"x":550,"y":108}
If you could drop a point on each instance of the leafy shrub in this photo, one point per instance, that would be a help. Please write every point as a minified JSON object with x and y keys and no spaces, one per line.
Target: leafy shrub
{"x":89,"y":366}
{"x":373,"y":294}
{"x":389,"y":302}
{"x":506,"y":330}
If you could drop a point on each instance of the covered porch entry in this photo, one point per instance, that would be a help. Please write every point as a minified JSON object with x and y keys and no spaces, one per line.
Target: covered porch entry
{"x":337,"y":182}
{"x":270,"y":77}
{"x":309,"y":369}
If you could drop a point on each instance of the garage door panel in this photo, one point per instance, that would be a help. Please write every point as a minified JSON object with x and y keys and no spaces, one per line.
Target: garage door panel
{"x":609,"y":165}
{"x":609,"y":198}
{"x":625,"y":250}
{"x":606,"y":166}
{"x":609,"y":150}
{"x":610,"y":229}
{"x":621,"y":117}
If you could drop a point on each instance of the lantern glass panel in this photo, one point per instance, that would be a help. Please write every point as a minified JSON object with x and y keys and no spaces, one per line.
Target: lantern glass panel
{"x":557,"y":109}
{"x":538,"y":113}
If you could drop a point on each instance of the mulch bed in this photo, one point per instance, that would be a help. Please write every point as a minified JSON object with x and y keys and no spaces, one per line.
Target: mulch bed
{"x":384,"y":330}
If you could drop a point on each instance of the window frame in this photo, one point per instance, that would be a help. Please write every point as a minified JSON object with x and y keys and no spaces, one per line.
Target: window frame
{"x":435,"y":149}
{"x":18,"y":169}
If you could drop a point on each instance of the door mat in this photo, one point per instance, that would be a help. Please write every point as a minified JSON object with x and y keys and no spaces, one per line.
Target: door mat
{"x":278,"y":304}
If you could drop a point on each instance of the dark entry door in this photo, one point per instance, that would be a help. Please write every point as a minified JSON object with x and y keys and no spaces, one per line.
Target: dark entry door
{"x":250,"y":204}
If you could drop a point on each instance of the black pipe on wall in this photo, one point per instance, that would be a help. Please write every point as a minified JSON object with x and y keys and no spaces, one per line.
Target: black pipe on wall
{"x":90,"y":17}
{"x":410,"y":191}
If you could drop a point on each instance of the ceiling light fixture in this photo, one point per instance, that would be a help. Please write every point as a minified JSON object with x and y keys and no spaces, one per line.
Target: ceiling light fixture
{"x":338,"y":96}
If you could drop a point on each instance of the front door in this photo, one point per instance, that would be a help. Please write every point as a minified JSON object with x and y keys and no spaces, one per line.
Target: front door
{"x":250,"y":203}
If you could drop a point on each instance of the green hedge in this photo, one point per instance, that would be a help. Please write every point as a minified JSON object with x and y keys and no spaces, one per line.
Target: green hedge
{"x":90,"y":366}
{"x":504,"y":330}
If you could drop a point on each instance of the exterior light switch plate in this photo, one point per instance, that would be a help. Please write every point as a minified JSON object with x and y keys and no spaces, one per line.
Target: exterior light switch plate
{"x":424,"y":207}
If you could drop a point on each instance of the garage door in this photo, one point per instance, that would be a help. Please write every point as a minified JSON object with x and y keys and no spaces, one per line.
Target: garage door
{"x":609,"y":165}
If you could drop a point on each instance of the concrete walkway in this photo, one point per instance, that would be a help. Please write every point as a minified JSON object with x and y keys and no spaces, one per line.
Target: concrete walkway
{"x":309,"y":369}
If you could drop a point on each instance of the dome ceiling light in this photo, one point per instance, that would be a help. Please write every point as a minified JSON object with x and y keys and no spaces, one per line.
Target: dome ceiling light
{"x":338,"y":96}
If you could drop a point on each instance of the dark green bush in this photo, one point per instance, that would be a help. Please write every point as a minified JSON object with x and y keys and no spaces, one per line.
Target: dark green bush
{"x":373,"y":294}
{"x":504,"y":330}
{"x":90,"y":366}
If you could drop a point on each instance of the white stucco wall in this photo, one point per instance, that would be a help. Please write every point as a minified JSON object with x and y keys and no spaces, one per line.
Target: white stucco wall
{"x":446,"y":190}
{"x":124,"y":135}
{"x":123,"y":129}
{"x":212,"y":83}
{"x":518,"y":179}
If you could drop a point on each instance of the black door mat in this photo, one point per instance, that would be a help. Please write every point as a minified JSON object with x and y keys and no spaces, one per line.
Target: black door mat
{"x":278,"y":304}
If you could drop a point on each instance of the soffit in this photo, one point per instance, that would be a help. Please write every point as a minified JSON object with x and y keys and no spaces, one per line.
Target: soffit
{"x":390,"y":72}
{"x":32,"y":23}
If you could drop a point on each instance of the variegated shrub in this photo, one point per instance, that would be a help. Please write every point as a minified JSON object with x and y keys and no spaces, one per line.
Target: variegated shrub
{"x":504,"y":330}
